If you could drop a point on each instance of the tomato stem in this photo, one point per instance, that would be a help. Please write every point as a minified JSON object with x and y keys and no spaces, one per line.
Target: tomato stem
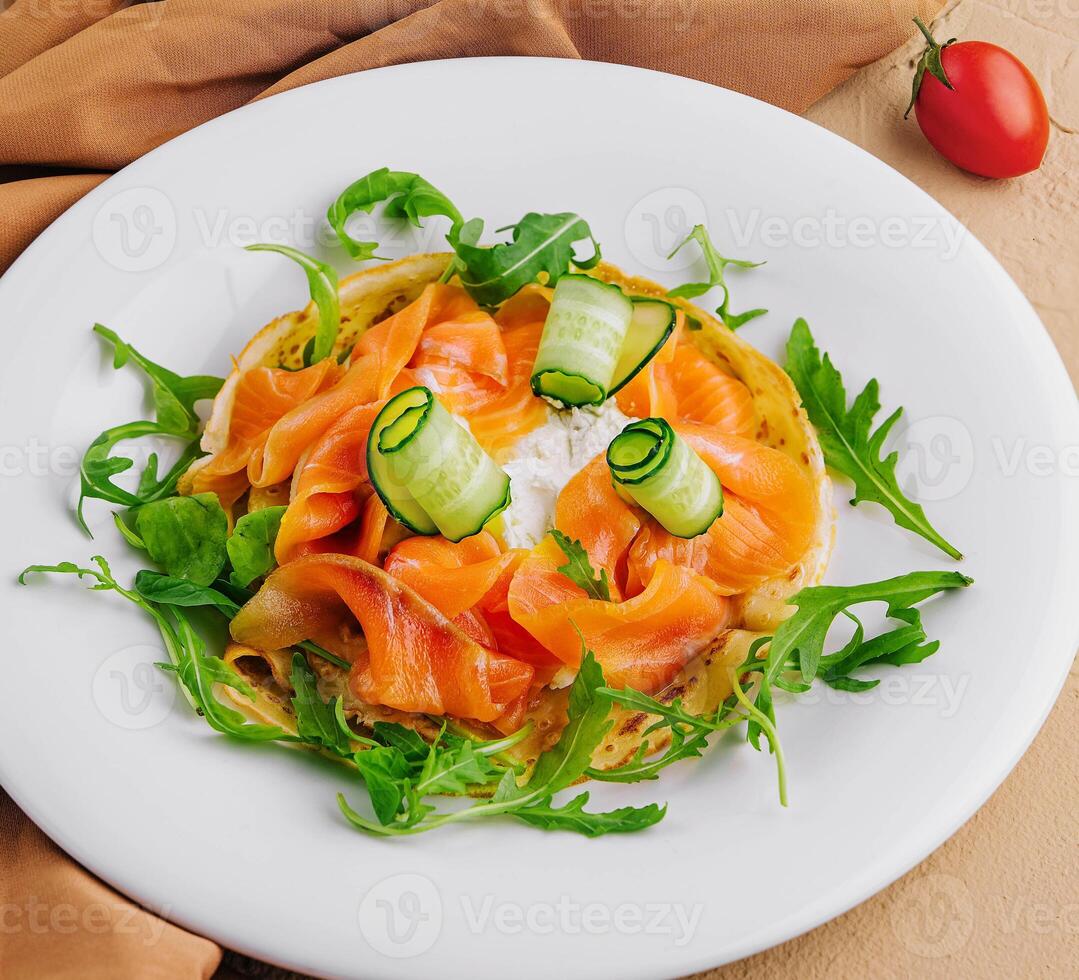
{"x":929,"y":61}
{"x":925,"y":31}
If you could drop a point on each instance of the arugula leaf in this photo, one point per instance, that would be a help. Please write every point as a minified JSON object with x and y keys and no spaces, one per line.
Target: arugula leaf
{"x":717,"y":267}
{"x":845,"y":436}
{"x":251,"y":545}
{"x":689,"y":733}
{"x":804,"y":633}
{"x":646,"y":765}
{"x":99,"y":466}
{"x":905,"y":644}
{"x":401,"y":772}
{"x":385,"y":772}
{"x":185,"y":535}
{"x":572,"y":816}
{"x":407,"y":195}
{"x":407,"y":741}
{"x":174,"y":396}
{"x":557,"y":768}
{"x":316,"y":720}
{"x":197,"y":672}
{"x":452,"y":769}
{"x":322,"y":282}
{"x":578,"y":569}
{"x":174,"y":404}
{"x":799,"y":641}
{"x":541,"y":246}
{"x":567,"y":760}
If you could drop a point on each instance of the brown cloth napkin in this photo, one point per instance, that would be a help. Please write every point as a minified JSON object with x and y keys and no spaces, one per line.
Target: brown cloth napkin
{"x":88,"y":86}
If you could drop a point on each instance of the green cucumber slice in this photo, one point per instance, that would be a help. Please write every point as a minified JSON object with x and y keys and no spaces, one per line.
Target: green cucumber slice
{"x":582,"y":341}
{"x":659,"y":471}
{"x":429,"y":471}
{"x":652,"y":323}
{"x":395,"y":495}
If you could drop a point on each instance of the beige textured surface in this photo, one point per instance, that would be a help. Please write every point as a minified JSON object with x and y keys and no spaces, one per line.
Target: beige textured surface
{"x":1001,"y":898}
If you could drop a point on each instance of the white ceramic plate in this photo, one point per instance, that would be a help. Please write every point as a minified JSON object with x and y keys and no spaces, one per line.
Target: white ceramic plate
{"x":245,"y":844}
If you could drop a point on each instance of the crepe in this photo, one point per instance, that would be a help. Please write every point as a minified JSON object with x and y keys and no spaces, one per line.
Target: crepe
{"x":370,"y":297}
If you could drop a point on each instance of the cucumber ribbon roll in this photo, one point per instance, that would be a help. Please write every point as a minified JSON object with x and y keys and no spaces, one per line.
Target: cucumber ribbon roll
{"x":595,"y":339}
{"x":651,"y":464}
{"x":429,"y":470}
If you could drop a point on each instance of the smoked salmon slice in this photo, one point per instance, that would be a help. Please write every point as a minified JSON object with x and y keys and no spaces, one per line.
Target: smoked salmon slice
{"x":641,"y":642}
{"x":416,"y":659}
{"x":472,"y":342}
{"x":470,"y":578}
{"x":372,"y":529}
{"x":590,"y":511}
{"x":376,"y":362}
{"x":263,"y":395}
{"x":323,"y":498}
{"x":686,"y":385}
{"x":452,"y":576}
{"x":768,"y":519}
{"x":706,"y":394}
{"x":500,"y":421}
{"x":670,"y":595}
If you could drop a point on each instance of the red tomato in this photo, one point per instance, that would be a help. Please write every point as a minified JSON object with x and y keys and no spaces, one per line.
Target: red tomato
{"x":993,"y":121}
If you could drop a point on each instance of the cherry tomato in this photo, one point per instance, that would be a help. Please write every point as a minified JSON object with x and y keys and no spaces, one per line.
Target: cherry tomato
{"x":980,"y":107}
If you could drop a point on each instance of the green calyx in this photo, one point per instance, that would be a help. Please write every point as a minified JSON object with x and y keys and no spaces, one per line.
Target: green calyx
{"x":929,"y":61}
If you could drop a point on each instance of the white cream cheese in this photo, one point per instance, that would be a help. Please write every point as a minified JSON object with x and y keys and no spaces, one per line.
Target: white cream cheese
{"x":545,"y":460}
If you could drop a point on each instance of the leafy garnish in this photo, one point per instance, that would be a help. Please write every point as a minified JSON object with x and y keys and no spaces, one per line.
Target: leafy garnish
{"x":386,"y":774}
{"x":849,"y":446}
{"x":174,"y":400}
{"x":578,"y":568}
{"x":689,"y":733}
{"x":408,"y":741}
{"x":565,"y":762}
{"x":540,"y":250}
{"x":251,"y":545}
{"x":717,"y":267}
{"x":174,"y":396}
{"x":798,"y":643}
{"x":451,"y":770}
{"x":126,"y":531}
{"x":572,"y":816}
{"x":322,"y":282}
{"x":804,"y":633}
{"x":170,"y":591}
{"x":316,"y":720}
{"x":905,"y":644}
{"x":797,"y":646}
{"x":198,"y":672}
{"x":185,"y":535}
{"x":557,"y":768}
{"x":407,"y":195}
